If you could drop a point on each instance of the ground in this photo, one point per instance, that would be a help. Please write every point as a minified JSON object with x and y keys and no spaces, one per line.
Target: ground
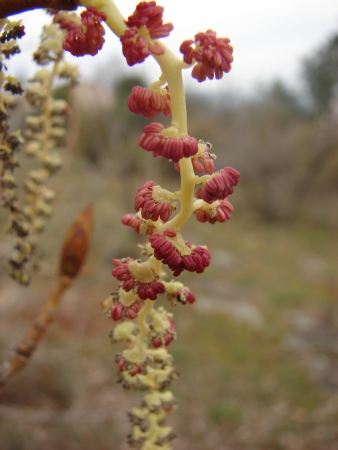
{"x":257,"y":353}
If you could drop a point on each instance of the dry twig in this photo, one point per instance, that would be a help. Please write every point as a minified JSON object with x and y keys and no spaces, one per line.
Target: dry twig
{"x":73,"y":254}
{"x":10,"y":7}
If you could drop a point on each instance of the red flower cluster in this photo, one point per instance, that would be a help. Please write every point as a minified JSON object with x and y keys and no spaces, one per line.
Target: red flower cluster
{"x":166,"y":252}
{"x":119,"y":311}
{"x":134,"y":221}
{"x":219,"y":186}
{"x":86,"y":39}
{"x":143,"y":290}
{"x":220,"y":213}
{"x":213,"y":55}
{"x":67,"y":21}
{"x":167,"y":337}
{"x":151,"y":209}
{"x":148,"y":103}
{"x":134,"y":48}
{"x":170,"y":148}
{"x":201,"y":163}
{"x":183,"y":296}
{"x":134,"y":45}
{"x":127,"y":366}
{"x":149,"y":15}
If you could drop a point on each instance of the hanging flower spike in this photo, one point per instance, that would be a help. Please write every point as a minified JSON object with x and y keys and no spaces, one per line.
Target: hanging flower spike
{"x":212,"y":54}
{"x":150,"y":208}
{"x":135,"y":46}
{"x":196,"y":258}
{"x":139,"y":225}
{"x":171,"y":148}
{"x":219,"y":186}
{"x":145,"y":290}
{"x":149,"y":15}
{"x":148,"y":103}
{"x":85,"y":39}
{"x":202,"y":162}
{"x":220,"y":213}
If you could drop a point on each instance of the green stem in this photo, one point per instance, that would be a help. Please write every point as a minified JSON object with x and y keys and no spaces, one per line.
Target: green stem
{"x":142,"y":319}
{"x":171,"y":67}
{"x":115,"y":20}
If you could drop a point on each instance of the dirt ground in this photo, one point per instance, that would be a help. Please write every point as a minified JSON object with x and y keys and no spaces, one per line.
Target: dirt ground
{"x":257,"y":353}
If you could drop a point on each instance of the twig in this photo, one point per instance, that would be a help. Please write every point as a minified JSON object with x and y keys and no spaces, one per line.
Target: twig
{"x":73,"y":254}
{"x":23,"y":352}
{"x":9,"y":7}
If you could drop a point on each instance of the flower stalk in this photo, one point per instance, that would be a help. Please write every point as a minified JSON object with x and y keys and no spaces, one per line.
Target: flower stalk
{"x":74,"y":250}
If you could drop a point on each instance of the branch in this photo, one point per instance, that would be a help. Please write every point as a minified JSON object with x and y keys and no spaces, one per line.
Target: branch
{"x":9,"y":7}
{"x":73,"y":255}
{"x":22,"y":353}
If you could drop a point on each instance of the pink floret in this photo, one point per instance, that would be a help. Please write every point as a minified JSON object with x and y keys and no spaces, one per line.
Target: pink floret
{"x":219,"y":186}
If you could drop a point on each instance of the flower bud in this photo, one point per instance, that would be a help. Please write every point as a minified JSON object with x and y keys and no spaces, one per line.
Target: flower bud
{"x":76,"y":243}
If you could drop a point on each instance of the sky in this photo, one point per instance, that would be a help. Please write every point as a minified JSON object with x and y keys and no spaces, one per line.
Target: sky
{"x":270,"y":40}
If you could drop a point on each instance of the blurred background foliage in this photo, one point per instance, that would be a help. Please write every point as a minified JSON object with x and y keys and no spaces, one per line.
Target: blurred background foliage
{"x":284,"y":143}
{"x":260,"y":346}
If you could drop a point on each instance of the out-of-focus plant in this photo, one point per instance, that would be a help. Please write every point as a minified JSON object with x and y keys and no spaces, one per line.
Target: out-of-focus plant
{"x":288,"y":157}
{"x":43,"y":137}
{"x":320,"y":72}
{"x":73,"y":254}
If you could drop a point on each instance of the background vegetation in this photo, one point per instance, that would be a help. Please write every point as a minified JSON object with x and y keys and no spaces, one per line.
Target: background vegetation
{"x":258,"y":352}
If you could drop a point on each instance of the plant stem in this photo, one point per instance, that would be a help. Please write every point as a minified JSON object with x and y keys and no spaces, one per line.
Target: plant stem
{"x":171,"y":67}
{"x":24,"y":351}
{"x":142,"y":319}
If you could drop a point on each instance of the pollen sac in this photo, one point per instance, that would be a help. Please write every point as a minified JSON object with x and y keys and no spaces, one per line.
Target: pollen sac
{"x":171,"y":148}
{"x":137,"y":223}
{"x":145,"y":290}
{"x":196,"y":259}
{"x":149,"y":15}
{"x":213,"y":55}
{"x":87,"y":37}
{"x":150,"y":208}
{"x":119,"y":311}
{"x":134,"y":47}
{"x":148,"y":103}
{"x":220,"y":213}
{"x":219,"y":186}
{"x":163,"y":338}
{"x":203,"y":161}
